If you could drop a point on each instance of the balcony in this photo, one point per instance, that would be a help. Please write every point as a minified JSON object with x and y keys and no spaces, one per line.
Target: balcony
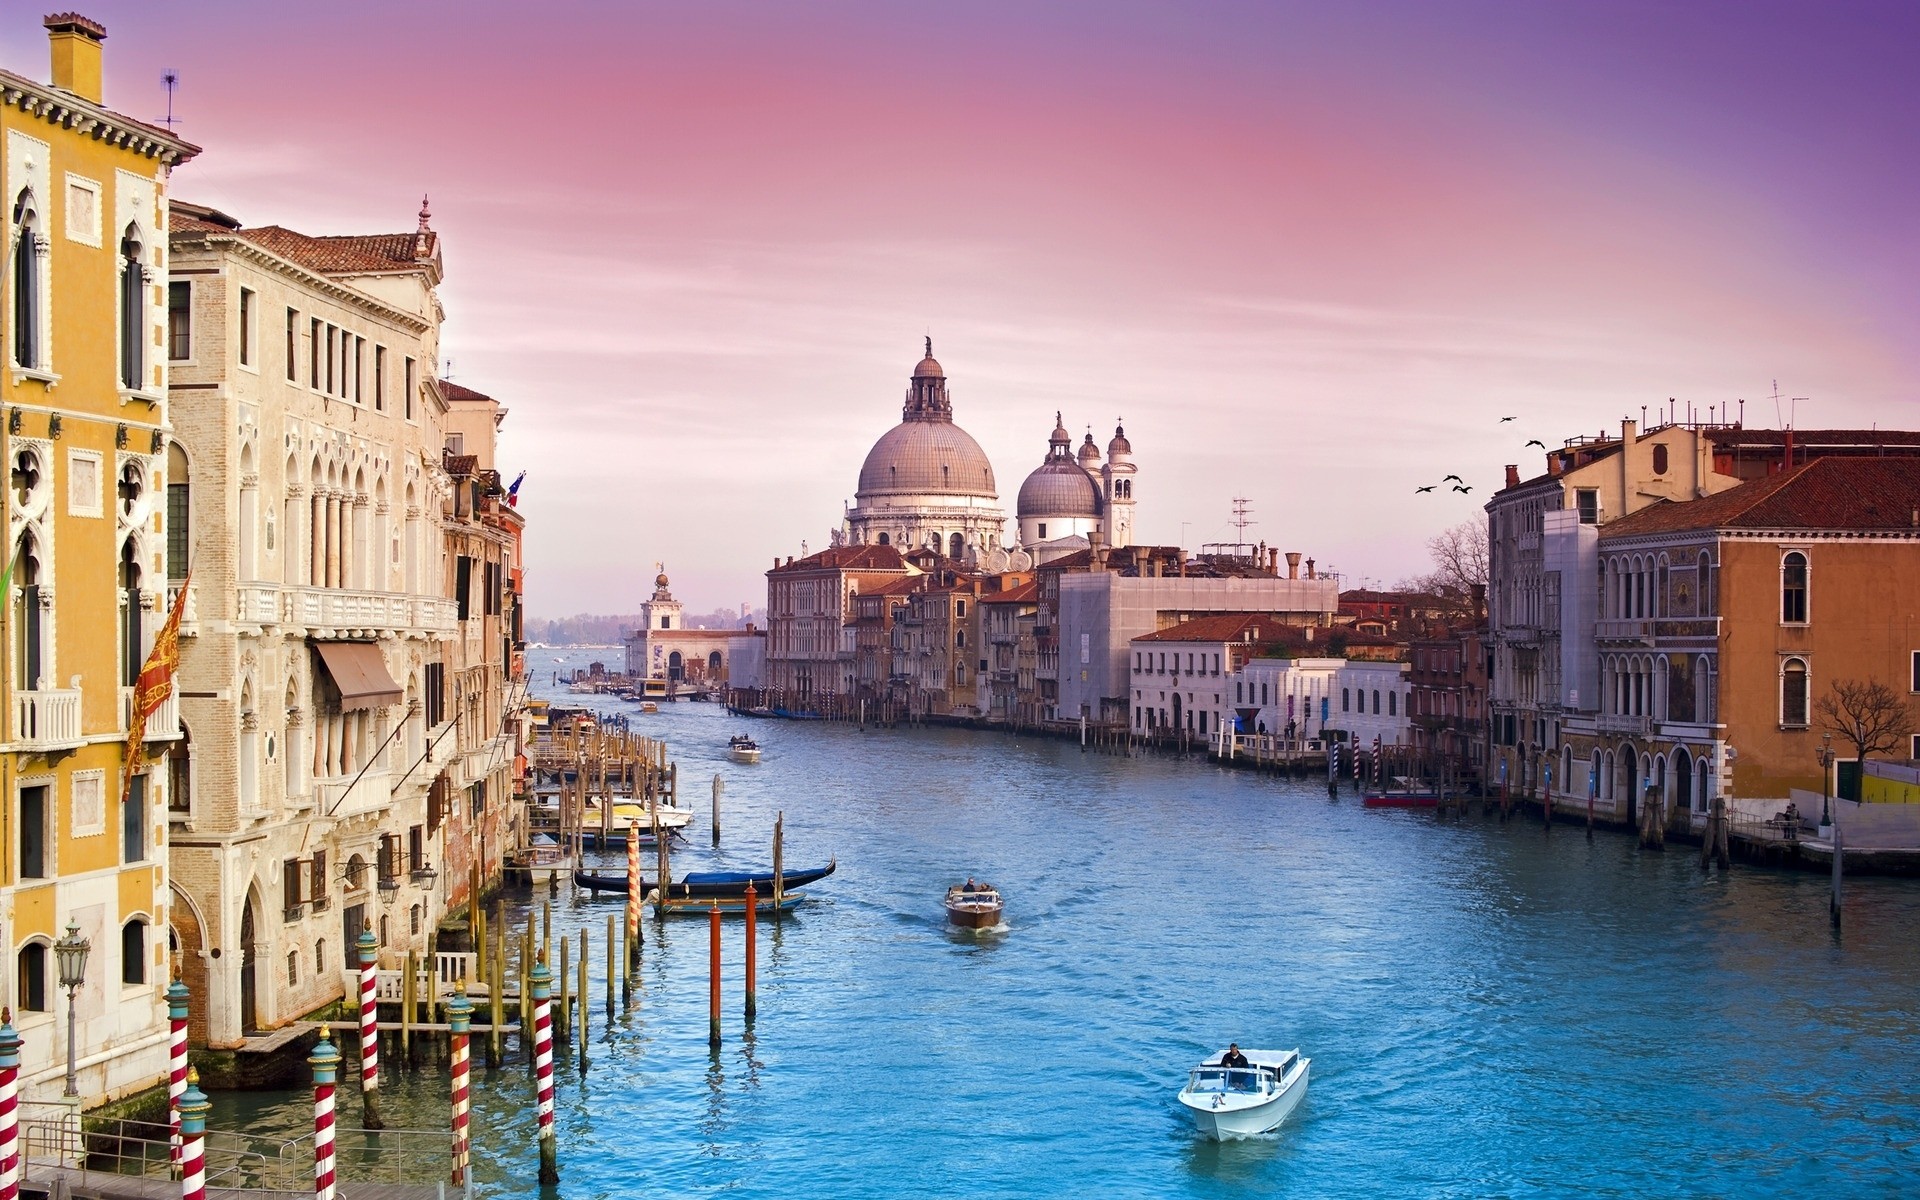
{"x":189,"y":613}
{"x":1638,"y":631}
{"x":342,"y":610}
{"x":354,"y":793}
{"x":46,"y":720}
{"x":163,"y":723}
{"x":1633,"y":726}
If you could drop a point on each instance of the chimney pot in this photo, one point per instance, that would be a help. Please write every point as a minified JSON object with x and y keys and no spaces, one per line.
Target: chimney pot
{"x":75,"y":42}
{"x":1513,"y":475}
{"x":1311,"y":573}
{"x":1293,"y":564}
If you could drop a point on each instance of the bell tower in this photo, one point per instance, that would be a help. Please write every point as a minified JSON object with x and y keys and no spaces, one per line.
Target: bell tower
{"x":1116,"y":479}
{"x":661,"y":611}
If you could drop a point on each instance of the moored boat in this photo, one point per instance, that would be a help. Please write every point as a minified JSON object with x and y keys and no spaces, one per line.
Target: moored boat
{"x":1240,"y":1101}
{"x":707,"y":883}
{"x":743,"y":749}
{"x":973,"y":905}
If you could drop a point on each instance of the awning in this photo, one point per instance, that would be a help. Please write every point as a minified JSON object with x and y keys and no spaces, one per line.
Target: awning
{"x":360,"y":673}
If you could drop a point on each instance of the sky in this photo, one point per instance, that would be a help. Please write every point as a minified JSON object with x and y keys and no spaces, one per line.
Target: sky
{"x":1310,"y":253}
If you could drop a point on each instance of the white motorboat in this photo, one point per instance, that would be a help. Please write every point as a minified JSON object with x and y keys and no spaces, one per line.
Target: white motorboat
{"x":1236,"y":1102}
{"x":743,"y":749}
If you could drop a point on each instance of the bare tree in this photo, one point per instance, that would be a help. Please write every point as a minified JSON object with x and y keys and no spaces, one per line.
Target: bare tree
{"x":1867,"y":713}
{"x":1459,"y":557}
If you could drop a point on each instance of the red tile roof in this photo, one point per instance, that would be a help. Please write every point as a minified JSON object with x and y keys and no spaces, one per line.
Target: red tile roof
{"x":1026,"y":593}
{"x":454,"y":391}
{"x":848,"y":558}
{"x":1827,"y":493}
{"x":1227,"y":627}
{"x":350,"y":254}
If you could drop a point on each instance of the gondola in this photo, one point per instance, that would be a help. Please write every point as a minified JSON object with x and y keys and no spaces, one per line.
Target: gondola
{"x":707,"y":883}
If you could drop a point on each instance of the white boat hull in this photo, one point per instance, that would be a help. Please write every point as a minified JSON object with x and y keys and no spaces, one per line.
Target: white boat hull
{"x":1228,"y":1116}
{"x":744,"y":756}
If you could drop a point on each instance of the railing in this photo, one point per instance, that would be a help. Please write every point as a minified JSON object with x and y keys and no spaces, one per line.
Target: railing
{"x":163,"y":723}
{"x":341,"y":795}
{"x":1623,"y":723}
{"x":342,"y":608}
{"x":48,"y":719}
{"x":189,"y":615}
{"x":1622,"y":630}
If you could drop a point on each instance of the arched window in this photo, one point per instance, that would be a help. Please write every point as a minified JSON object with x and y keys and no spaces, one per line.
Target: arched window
{"x":293,"y":968}
{"x":885,"y":540}
{"x":1793,"y":694}
{"x":956,"y":545}
{"x":1793,"y":589}
{"x":1391,"y":697}
{"x":1594,"y":775}
{"x":713,"y":665}
{"x":1346,"y":699}
{"x":133,"y":311}
{"x":29,"y":648}
{"x":33,"y":977}
{"x":180,"y":772}
{"x":132,"y":636}
{"x":179,"y":541}
{"x":26,"y":282}
{"x":133,"y":951}
{"x":960,"y":638}
{"x":1707,"y":600}
{"x":1376,"y":702}
{"x":1659,"y":458}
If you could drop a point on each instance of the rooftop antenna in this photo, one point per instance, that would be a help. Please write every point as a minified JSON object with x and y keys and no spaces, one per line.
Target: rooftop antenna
{"x":1241,"y":507}
{"x":169,"y":79}
{"x":1778,"y":419}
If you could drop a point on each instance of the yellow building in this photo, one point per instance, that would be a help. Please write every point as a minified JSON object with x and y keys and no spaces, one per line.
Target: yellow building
{"x":85,"y":438}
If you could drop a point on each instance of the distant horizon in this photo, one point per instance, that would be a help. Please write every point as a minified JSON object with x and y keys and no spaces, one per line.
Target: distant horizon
{"x":1311,"y":254}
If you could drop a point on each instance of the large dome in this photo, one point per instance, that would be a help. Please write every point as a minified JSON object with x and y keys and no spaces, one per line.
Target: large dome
{"x":926,"y":458}
{"x":1059,"y":487}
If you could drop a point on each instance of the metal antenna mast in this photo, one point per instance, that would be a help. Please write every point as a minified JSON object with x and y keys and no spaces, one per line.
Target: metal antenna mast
{"x":170,"y":79}
{"x":1241,"y":507}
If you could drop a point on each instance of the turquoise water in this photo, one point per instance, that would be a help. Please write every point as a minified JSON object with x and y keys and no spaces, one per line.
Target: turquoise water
{"x":1491,"y":1010}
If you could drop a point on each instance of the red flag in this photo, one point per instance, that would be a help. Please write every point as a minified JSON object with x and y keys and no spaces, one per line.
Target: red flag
{"x":155,"y":683}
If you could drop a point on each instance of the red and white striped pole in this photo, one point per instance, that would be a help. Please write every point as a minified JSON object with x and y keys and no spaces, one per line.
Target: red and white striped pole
{"x":459,"y":1024}
{"x":634,"y":898}
{"x":9,"y":1108}
{"x":193,"y":1139}
{"x":325,"y":1062}
{"x":540,"y":981}
{"x":369,"y":1033}
{"x":176,"y":1067}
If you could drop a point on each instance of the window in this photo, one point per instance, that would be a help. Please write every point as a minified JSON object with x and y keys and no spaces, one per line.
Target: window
{"x":456,"y":444}
{"x":179,"y":513}
{"x":1041,"y":531}
{"x":1793,"y":589}
{"x":179,"y":320}
{"x":247,"y":306}
{"x":1793,"y":694}
{"x":1916,"y":677}
{"x":290,"y":889}
{"x":133,"y":278}
{"x":1587,"y":500}
{"x":380,"y":378}
{"x":1376,"y":702}
{"x":293,"y":345}
{"x":1345,"y":697}
{"x":462,"y":586}
{"x":332,"y":342}
{"x":313,"y":353}
{"x":293,"y":968}
{"x":959,"y":608}
{"x":133,"y":821}
{"x":33,"y":833}
{"x":416,"y":848}
{"x":407,"y":385}
{"x":33,"y":977}
{"x":387,"y":860}
{"x":26,"y":284}
{"x":434,"y":688}
{"x":317,"y":888}
{"x":1391,"y":697}
{"x":1660,"y":459}
{"x":133,"y":951}
{"x":359,"y":358}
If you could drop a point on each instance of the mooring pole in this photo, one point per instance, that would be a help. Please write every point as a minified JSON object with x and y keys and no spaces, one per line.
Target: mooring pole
{"x":713,"y":975}
{"x":753,"y":922}
{"x":176,"y":1084}
{"x":613,"y":958}
{"x":541,"y":981}
{"x":1837,"y":871}
{"x":10,"y":1109}
{"x":325,"y":1062}
{"x":193,"y":1139}
{"x":369,"y":947}
{"x":459,"y":1026}
{"x":716,"y":809}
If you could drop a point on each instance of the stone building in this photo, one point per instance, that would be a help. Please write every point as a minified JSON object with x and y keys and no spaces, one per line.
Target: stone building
{"x":307,"y":489}
{"x":669,"y":656}
{"x":93,"y":555}
{"x":1072,"y":501}
{"x":810,"y":606}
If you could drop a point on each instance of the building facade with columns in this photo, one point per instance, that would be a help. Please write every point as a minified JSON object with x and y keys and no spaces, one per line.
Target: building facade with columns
{"x":663,"y":651}
{"x":307,"y":485}
{"x":89,"y":533}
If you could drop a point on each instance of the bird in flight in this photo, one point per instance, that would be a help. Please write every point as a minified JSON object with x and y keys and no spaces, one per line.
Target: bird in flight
{"x":1537,"y":442}
{"x":1428,"y":488}
{"x":1453,"y":478}
{"x":1504,"y":420}
{"x":1460,"y":488}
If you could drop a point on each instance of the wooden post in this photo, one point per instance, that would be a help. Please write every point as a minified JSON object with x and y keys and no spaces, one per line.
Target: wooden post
{"x":716,"y":809}
{"x":753,"y":922}
{"x":1838,"y":870}
{"x":713,"y":976}
{"x":613,"y":956}
{"x":406,"y":1005}
{"x":520,"y":1003}
{"x":779,"y":873}
{"x":565,"y":1018}
{"x":479,"y":935}
{"x":546,"y":930}
{"x":581,"y":994}
{"x":496,"y":1003}
{"x":1723,"y":855}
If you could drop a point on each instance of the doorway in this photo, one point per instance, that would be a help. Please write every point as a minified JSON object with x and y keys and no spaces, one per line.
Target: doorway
{"x":249,"y":989}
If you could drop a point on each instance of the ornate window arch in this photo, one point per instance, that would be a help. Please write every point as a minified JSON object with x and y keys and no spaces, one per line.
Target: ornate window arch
{"x":1794,"y":580}
{"x":1794,"y":692}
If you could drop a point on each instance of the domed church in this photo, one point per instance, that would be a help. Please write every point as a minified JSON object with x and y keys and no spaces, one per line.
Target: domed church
{"x":926,"y":482}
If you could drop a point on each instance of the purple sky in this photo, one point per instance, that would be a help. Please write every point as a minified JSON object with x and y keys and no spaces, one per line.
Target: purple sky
{"x":1311,"y":253}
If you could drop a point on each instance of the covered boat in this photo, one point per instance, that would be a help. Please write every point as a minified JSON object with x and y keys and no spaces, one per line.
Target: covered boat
{"x":743,"y":749}
{"x":973,"y":905}
{"x":1228,"y":1102}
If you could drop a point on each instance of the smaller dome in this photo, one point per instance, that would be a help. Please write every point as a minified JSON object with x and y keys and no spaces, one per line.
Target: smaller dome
{"x":1119,"y":444}
{"x":660,"y":580}
{"x":1089,"y":453}
{"x":1059,"y":487}
{"x":928,"y":368}
{"x":1060,"y":436}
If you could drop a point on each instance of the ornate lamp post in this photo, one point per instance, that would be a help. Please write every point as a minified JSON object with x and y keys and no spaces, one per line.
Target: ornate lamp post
{"x":1826,"y":781}
{"x":70,"y":952}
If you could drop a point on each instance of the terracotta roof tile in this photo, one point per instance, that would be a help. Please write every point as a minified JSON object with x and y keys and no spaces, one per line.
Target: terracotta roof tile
{"x":352,"y":254}
{"x":1227,"y":627}
{"x":454,"y":391}
{"x":1026,"y":593}
{"x":848,"y":558}
{"x":1827,"y":493}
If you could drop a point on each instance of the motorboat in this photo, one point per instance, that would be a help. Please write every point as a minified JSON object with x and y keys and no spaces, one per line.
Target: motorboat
{"x":973,"y":905}
{"x":628,"y":813}
{"x":649,"y":706}
{"x":1235,"y":1102}
{"x":707,"y":883}
{"x":743,"y":749}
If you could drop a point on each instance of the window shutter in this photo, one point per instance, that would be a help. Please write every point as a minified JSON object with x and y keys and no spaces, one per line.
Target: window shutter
{"x":317,"y":880}
{"x":290,"y":887}
{"x":462,"y":585}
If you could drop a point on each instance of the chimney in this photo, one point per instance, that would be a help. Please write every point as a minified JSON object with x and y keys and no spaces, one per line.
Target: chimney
{"x":1311,"y":573}
{"x":1293,"y":564}
{"x":76,"y":54}
{"x":1273,"y":562}
{"x":1513,"y":475}
{"x":1628,"y":429}
{"x":1555,"y":465}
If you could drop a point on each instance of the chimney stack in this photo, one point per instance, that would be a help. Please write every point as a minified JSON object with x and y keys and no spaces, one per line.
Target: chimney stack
{"x":1513,"y":475}
{"x":1293,"y":564}
{"x":1311,"y":573}
{"x":75,"y":41}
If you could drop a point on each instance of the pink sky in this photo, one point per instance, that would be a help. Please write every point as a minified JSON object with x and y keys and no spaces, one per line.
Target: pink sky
{"x":1311,"y":256}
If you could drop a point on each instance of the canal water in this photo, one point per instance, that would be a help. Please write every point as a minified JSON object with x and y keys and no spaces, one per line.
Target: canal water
{"x":1491,"y":1010}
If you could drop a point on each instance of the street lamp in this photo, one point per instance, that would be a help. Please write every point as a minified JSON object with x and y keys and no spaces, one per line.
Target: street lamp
{"x":1826,"y":779}
{"x":70,"y":953}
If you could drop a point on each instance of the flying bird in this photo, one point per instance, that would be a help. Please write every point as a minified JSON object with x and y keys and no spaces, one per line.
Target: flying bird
{"x":1536,"y":442}
{"x":1504,"y":420}
{"x":1428,"y":488}
{"x":1454,"y":478}
{"x":1459,"y":488}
